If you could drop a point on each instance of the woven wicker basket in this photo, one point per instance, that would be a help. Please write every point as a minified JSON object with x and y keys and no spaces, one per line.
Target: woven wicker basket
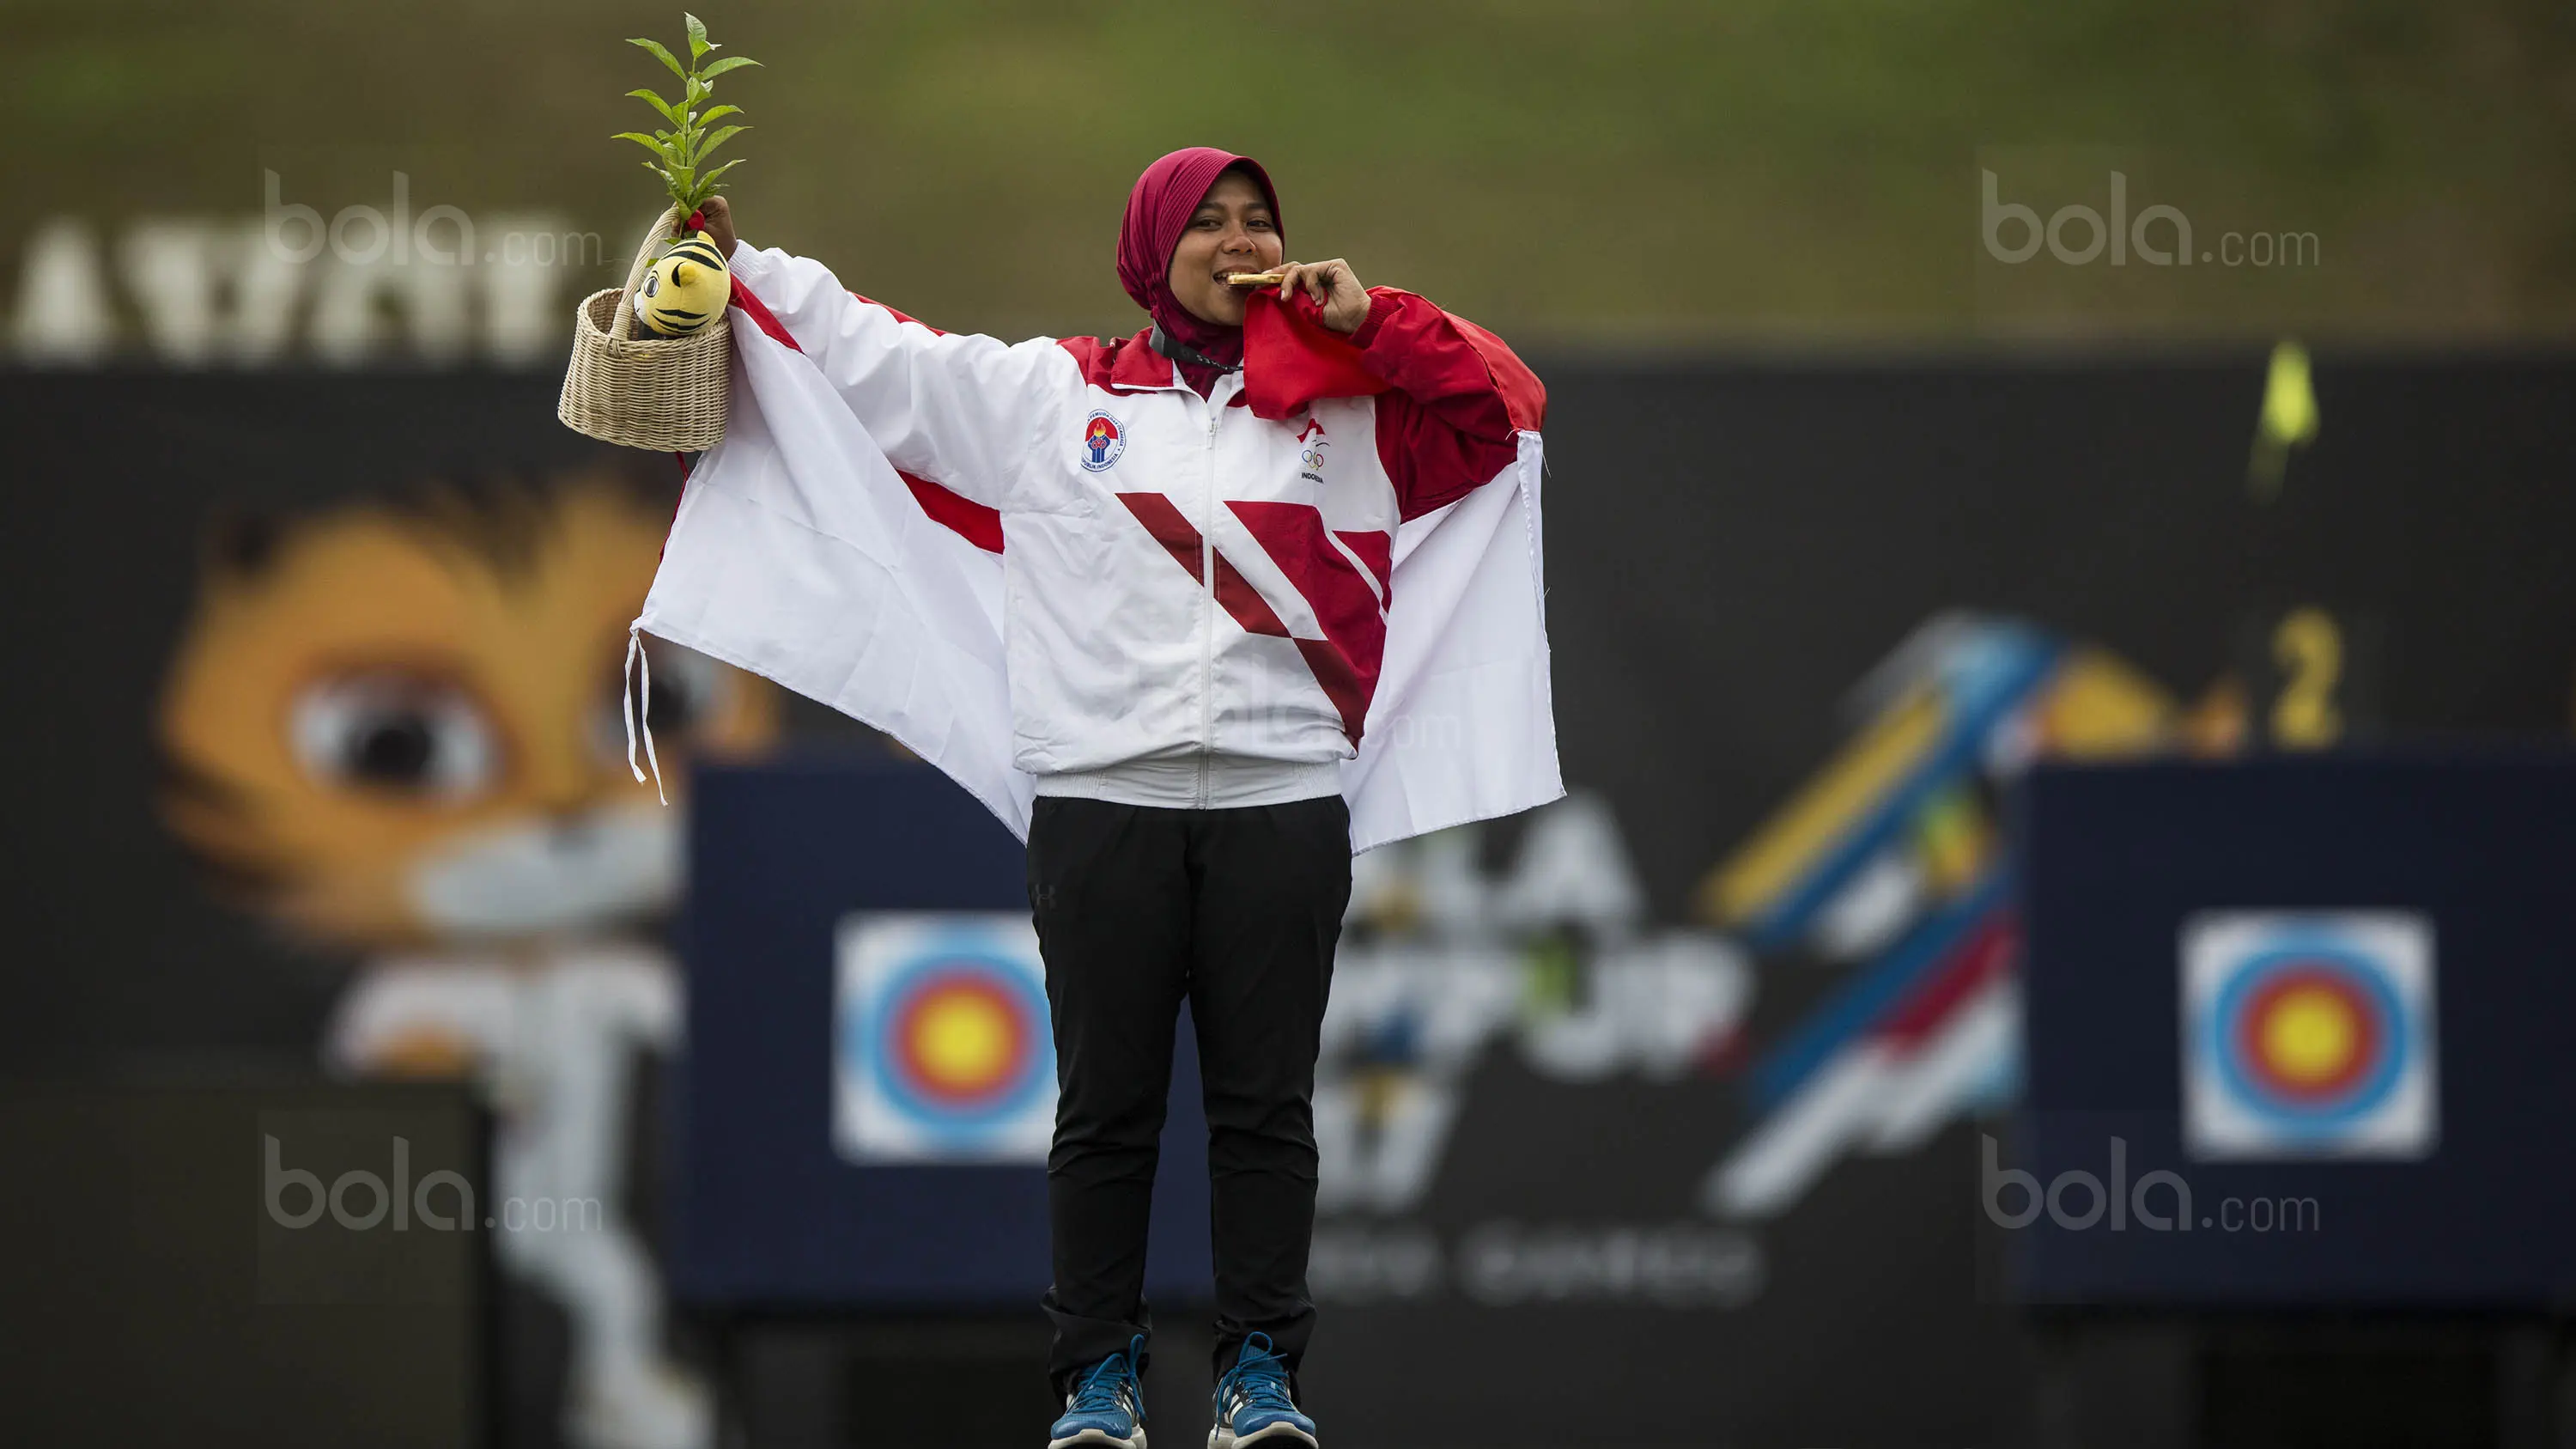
{"x":663,"y":393}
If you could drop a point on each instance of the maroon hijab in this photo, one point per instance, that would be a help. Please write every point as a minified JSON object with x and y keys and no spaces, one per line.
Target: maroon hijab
{"x":1158,"y":211}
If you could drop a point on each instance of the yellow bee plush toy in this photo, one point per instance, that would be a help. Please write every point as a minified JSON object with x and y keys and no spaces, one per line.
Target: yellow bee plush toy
{"x":689,"y":287}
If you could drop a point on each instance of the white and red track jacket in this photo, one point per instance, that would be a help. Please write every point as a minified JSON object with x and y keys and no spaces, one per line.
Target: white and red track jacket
{"x":1195,"y":590}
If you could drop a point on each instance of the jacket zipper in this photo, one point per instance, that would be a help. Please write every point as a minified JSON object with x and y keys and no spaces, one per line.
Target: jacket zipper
{"x":1207,"y":610}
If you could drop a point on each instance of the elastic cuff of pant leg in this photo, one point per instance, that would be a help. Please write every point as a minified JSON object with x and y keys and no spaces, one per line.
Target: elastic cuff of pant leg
{"x":1077,"y":1329}
{"x":1226,"y":1349}
{"x":1061,"y":1380}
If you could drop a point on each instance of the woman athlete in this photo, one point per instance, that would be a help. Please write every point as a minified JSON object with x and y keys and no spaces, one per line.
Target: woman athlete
{"x":1189,"y":838}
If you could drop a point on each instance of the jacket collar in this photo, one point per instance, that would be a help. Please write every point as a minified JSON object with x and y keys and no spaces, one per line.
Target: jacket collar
{"x":1183,"y":353}
{"x":1137,"y":367}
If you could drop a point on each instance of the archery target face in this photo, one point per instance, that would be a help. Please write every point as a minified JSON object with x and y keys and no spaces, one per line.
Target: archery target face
{"x":2308,"y":1035}
{"x":943,"y":1052}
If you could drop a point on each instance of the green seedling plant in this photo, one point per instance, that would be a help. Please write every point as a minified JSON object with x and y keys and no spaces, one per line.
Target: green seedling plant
{"x":680,"y":154}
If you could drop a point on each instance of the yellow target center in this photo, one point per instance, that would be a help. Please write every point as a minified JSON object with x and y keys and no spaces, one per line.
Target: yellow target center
{"x":2310,"y":1035}
{"x":964,"y":1041}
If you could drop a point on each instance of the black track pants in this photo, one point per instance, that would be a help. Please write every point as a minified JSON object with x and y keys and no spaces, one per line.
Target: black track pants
{"x":1237,"y":910}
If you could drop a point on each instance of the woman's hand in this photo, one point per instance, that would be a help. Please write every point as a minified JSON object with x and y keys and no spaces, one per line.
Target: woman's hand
{"x":717,"y":213}
{"x":1333,"y":285}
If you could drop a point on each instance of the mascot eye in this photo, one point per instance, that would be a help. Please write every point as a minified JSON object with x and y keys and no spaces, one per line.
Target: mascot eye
{"x":396,"y":734}
{"x":688,"y":690}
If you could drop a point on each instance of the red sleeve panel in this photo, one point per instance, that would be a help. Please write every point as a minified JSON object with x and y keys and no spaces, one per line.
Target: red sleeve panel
{"x":1458,"y":399}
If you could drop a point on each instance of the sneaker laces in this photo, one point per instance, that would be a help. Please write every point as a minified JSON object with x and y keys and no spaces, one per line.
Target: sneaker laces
{"x":1102,"y":1387}
{"x":1260,"y":1376}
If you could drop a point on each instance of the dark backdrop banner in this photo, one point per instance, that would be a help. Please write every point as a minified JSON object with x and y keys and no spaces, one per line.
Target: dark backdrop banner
{"x":1566,"y":1068}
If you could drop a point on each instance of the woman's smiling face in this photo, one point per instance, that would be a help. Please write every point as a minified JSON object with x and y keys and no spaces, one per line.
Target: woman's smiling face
{"x":1232,"y":231}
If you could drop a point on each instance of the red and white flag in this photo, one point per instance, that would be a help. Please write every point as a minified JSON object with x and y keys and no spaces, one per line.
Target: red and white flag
{"x":801,"y":554}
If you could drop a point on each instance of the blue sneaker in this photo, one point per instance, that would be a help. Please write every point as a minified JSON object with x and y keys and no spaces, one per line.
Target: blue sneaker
{"x":1107,"y":1405}
{"x":1252,"y":1402}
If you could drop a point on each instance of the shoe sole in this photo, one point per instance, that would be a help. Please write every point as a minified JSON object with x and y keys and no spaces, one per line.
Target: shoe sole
{"x":1277,"y":1436}
{"x":1095,"y":1439}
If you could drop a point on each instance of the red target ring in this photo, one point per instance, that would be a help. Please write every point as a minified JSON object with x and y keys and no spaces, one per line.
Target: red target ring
{"x":958,"y":1041}
{"x":2309,"y":1034}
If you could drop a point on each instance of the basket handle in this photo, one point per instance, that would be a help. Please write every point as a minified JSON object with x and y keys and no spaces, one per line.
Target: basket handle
{"x":624,"y":322}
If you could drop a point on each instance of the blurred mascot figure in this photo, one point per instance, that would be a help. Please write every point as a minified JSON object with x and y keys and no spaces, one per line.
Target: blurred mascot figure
{"x":393,"y":729}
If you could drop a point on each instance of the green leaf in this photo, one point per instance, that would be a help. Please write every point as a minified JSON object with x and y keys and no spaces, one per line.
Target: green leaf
{"x":708,"y":148}
{"x":662,"y":55}
{"x":709,"y":115}
{"x":669,"y":112}
{"x":697,"y":90}
{"x":697,"y":37}
{"x":730,"y":62}
{"x":708,"y":179}
{"x":647,"y":142}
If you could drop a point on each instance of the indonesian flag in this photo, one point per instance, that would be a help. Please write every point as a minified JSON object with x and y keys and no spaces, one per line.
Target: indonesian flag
{"x":799,"y":553}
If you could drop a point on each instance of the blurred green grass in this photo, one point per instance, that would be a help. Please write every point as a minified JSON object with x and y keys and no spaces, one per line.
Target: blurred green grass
{"x":1619,"y":172}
